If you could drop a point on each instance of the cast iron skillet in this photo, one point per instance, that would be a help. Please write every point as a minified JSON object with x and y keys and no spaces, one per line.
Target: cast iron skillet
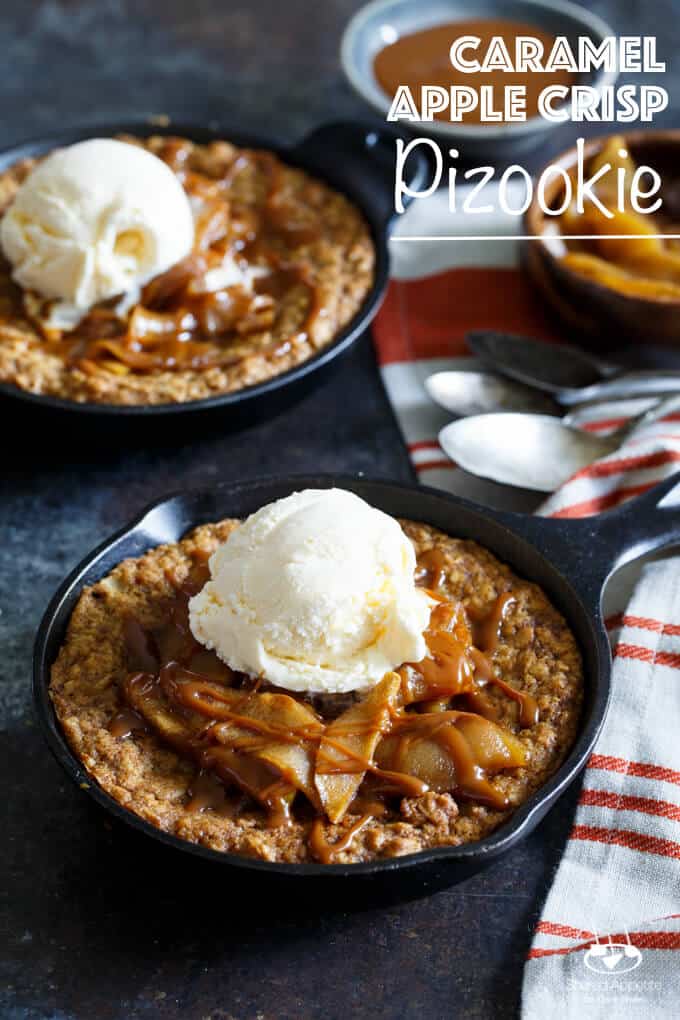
{"x":570,"y":560}
{"x":356,"y":159}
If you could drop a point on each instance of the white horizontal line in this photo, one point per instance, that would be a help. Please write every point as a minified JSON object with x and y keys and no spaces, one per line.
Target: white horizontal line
{"x":534,"y":237}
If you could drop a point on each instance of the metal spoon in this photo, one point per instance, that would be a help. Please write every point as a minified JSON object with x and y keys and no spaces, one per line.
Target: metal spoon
{"x":465,"y":393}
{"x":571,"y":376}
{"x":533,"y":451}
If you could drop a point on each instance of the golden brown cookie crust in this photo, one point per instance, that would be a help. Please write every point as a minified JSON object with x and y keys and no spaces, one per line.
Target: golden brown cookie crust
{"x":536,"y":653}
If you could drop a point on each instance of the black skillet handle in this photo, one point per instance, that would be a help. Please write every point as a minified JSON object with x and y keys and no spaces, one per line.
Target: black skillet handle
{"x":360,"y":159}
{"x":652,"y":521}
{"x":588,"y":550}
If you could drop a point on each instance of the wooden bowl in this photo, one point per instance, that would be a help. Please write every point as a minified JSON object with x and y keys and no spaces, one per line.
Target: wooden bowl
{"x":593,"y":312}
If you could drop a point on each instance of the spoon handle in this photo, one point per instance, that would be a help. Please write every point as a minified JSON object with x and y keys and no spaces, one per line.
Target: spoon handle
{"x":661,"y":383}
{"x":669,"y":405}
{"x":547,"y":367}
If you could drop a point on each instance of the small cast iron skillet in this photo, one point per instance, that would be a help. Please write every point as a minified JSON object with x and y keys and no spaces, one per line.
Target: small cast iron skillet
{"x":354,"y":158}
{"x":569,"y":559}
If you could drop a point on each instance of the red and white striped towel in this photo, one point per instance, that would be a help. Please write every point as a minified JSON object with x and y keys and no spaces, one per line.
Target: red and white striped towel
{"x":619,"y":878}
{"x":618,"y":884}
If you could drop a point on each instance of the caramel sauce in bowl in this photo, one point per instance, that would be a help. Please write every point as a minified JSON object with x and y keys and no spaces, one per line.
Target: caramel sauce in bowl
{"x":417,"y":31}
{"x":422,"y":58}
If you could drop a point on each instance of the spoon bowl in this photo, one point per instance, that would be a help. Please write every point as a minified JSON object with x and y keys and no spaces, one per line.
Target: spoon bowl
{"x":536,"y":451}
{"x":531,"y":451}
{"x":466,"y":393}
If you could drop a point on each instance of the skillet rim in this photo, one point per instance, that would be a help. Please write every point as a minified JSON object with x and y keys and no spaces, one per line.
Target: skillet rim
{"x":521,"y":822}
{"x":290,"y":152}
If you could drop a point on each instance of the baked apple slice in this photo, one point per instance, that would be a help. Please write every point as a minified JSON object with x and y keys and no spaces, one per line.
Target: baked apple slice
{"x":348,"y":744}
{"x":452,"y":752}
{"x":274,"y":728}
{"x":254,"y":778}
{"x":144,"y":695}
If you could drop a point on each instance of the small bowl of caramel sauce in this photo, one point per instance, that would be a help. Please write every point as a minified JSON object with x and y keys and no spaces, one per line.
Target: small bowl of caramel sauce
{"x":393,"y":43}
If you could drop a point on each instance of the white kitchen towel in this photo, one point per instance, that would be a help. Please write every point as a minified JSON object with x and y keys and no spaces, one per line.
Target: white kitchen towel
{"x":608,"y":941}
{"x":605,"y":944}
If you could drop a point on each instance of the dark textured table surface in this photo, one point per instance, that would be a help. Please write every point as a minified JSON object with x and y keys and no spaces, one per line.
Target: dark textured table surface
{"x":98,"y":923}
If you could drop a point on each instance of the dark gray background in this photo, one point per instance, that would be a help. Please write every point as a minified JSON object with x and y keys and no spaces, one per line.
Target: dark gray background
{"x":98,"y":923}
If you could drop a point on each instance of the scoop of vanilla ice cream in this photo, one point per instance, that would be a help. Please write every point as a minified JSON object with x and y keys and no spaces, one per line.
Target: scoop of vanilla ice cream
{"x":314,"y":592}
{"x":96,"y":220}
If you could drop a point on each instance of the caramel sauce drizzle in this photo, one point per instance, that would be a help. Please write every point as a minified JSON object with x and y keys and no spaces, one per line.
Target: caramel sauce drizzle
{"x":365,"y":804}
{"x":218,"y":718}
{"x":529,"y":712}
{"x":177,"y":324}
{"x":325,"y":851}
{"x":207,"y":793}
{"x":431,"y":572}
{"x":486,"y":628}
{"x":355,"y":764}
{"x":431,"y":569}
{"x":125,"y":723}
